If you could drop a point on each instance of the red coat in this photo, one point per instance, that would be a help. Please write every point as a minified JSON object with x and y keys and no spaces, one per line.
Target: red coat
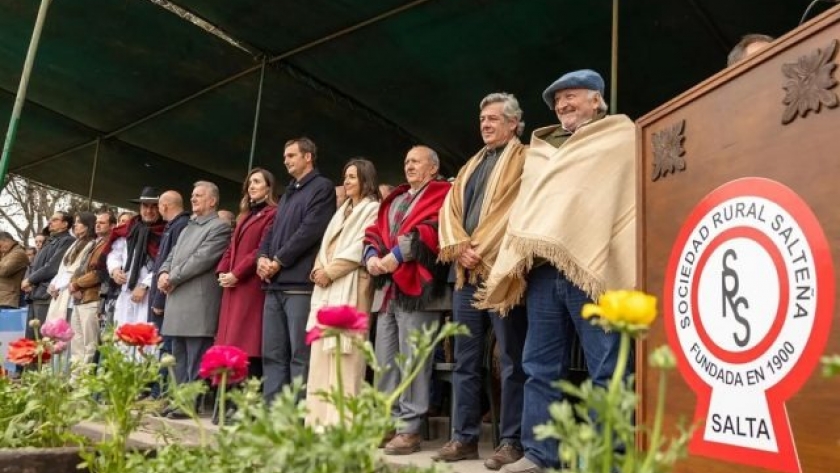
{"x":240,"y":318}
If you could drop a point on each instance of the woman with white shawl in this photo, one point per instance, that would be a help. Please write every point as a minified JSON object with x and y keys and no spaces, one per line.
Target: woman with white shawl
{"x":84,"y":231}
{"x":340,"y":278}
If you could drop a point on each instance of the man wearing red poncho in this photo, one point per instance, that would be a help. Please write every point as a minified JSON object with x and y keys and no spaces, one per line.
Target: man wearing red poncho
{"x":401,"y":248}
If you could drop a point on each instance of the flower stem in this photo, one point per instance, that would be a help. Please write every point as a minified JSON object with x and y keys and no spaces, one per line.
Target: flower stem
{"x":653,"y":446}
{"x":612,"y":393}
{"x":339,"y":381}
{"x":222,"y":393}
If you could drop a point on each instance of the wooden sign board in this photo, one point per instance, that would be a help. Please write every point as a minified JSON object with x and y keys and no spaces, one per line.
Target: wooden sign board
{"x":739,"y":236}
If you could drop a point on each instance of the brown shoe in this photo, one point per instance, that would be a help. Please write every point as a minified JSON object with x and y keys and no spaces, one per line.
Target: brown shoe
{"x":505,"y":454}
{"x":387,"y":438}
{"x":455,"y":451}
{"x":403,"y":444}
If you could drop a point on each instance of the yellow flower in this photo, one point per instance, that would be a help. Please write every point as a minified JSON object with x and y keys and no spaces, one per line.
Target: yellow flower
{"x":631,"y":307}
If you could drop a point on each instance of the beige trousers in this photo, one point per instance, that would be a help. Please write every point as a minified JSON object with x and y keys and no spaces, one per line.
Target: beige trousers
{"x":85,"y":323}
{"x":322,"y":377}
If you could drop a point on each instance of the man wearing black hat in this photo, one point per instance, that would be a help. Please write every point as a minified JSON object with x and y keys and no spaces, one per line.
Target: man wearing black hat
{"x":45,"y":267}
{"x":570,"y":237}
{"x":130,"y":253}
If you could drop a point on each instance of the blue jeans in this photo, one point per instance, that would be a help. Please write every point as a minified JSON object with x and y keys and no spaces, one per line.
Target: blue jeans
{"x":554,"y":305}
{"x":469,"y":356}
{"x":284,"y":351}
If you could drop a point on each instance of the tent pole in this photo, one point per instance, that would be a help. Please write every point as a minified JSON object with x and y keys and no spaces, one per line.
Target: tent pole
{"x":614,"y":60}
{"x":21,"y":93}
{"x":257,"y":115}
{"x":93,"y":173}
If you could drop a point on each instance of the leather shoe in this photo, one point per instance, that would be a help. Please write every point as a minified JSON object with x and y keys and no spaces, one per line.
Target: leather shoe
{"x":387,"y":438}
{"x":505,"y":454}
{"x":403,"y":444}
{"x":523,"y":465}
{"x":454,"y":451}
{"x":177,"y":414}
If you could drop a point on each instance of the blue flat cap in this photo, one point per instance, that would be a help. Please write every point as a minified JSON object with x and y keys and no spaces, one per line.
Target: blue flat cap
{"x":582,"y":79}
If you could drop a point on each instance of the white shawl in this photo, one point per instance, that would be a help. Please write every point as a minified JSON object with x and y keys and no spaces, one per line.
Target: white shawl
{"x":349,"y":235}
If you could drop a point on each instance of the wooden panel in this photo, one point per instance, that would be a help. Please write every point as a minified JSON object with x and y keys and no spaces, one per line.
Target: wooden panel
{"x":733,"y":129}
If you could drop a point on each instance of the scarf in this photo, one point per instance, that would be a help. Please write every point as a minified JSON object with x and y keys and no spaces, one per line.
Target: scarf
{"x":576,"y":209}
{"x":499,"y":194}
{"x":347,"y":233}
{"x":413,"y":280}
{"x":142,"y":241}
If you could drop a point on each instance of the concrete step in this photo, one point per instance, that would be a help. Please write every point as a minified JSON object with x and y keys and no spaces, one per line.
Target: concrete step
{"x":156,"y":431}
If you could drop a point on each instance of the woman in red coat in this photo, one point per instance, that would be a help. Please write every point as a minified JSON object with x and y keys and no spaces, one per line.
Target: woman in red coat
{"x":240,"y":318}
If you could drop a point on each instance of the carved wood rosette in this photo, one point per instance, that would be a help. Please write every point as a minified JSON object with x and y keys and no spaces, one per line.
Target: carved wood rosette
{"x":808,"y":83}
{"x":668,"y":151}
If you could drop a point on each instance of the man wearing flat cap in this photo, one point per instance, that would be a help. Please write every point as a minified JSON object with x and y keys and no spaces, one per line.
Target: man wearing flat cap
{"x":129,"y":256}
{"x":570,"y":237}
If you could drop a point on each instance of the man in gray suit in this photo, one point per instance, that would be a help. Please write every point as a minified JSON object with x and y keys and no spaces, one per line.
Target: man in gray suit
{"x":188,"y":278}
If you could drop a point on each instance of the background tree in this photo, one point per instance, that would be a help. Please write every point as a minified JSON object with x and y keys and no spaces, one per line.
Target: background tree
{"x":26,"y":206}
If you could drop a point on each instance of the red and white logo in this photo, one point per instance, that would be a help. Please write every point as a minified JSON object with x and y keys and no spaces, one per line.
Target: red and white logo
{"x":748,"y":300}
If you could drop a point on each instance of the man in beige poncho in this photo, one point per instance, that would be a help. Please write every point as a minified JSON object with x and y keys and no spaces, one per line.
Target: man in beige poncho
{"x":571,"y":236}
{"x":472,"y":224}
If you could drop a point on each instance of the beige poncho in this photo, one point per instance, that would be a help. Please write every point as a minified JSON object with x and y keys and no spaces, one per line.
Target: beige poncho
{"x":576,"y":209}
{"x":500,"y":193}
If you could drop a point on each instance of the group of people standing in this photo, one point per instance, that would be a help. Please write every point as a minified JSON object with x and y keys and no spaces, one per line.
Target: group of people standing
{"x":518,"y":241}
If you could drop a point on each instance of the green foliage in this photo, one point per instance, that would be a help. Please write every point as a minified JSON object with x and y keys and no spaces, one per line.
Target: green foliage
{"x":117,"y":391}
{"x":39,"y":409}
{"x":276,"y":439}
{"x":830,"y":365}
{"x":596,"y":427}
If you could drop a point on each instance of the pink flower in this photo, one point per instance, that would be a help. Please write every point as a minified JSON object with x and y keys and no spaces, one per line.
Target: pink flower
{"x":222,"y":359}
{"x":315,"y":334}
{"x":343,"y":317}
{"x":58,"y":329}
{"x":59,"y":347}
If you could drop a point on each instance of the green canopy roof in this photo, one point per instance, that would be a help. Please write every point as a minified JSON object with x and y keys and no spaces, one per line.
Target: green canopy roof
{"x":173,"y":103}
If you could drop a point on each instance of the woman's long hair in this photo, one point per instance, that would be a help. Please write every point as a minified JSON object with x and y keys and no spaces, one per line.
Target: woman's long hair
{"x":368,"y":182}
{"x":89,"y":221}
{"x":245,"y":203}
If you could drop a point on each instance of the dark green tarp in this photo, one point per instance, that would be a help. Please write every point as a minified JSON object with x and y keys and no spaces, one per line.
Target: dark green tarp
{"x":413,"y":76}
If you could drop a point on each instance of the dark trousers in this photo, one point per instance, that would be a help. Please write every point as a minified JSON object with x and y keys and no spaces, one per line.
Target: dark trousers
{"x":469,"y":365}
{"x":284,"y":349}
{"x":554,"y":307}
{"x":37,"y":310}
{"x":188,"y":352}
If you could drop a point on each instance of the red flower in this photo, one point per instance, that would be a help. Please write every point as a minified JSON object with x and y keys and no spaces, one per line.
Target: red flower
{"x":25,"y":352}
{"x":315,"y":334}
{"x":224,"y":359}
{"x":343,"y":317}
{"x":138,"y":335}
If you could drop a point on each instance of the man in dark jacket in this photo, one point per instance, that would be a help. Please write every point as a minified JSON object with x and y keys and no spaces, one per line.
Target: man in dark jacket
{"x":171,"y":208}
{"x":287,"y":255}
{"x":45,"y":267}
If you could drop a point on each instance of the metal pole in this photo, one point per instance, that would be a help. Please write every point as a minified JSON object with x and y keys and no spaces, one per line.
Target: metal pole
{"x":257,"y":115}
{"x":21,"y":93}
{"x":614,"y":60}
{"x":93,"y":174}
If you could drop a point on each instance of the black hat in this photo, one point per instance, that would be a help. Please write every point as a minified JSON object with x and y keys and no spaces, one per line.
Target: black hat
{"x":150,"y":195}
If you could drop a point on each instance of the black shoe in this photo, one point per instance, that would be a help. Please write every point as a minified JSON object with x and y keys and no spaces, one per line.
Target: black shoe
{"x":164,"y":412}
{"x":229,"y":413}
{"x":177,"y":414}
